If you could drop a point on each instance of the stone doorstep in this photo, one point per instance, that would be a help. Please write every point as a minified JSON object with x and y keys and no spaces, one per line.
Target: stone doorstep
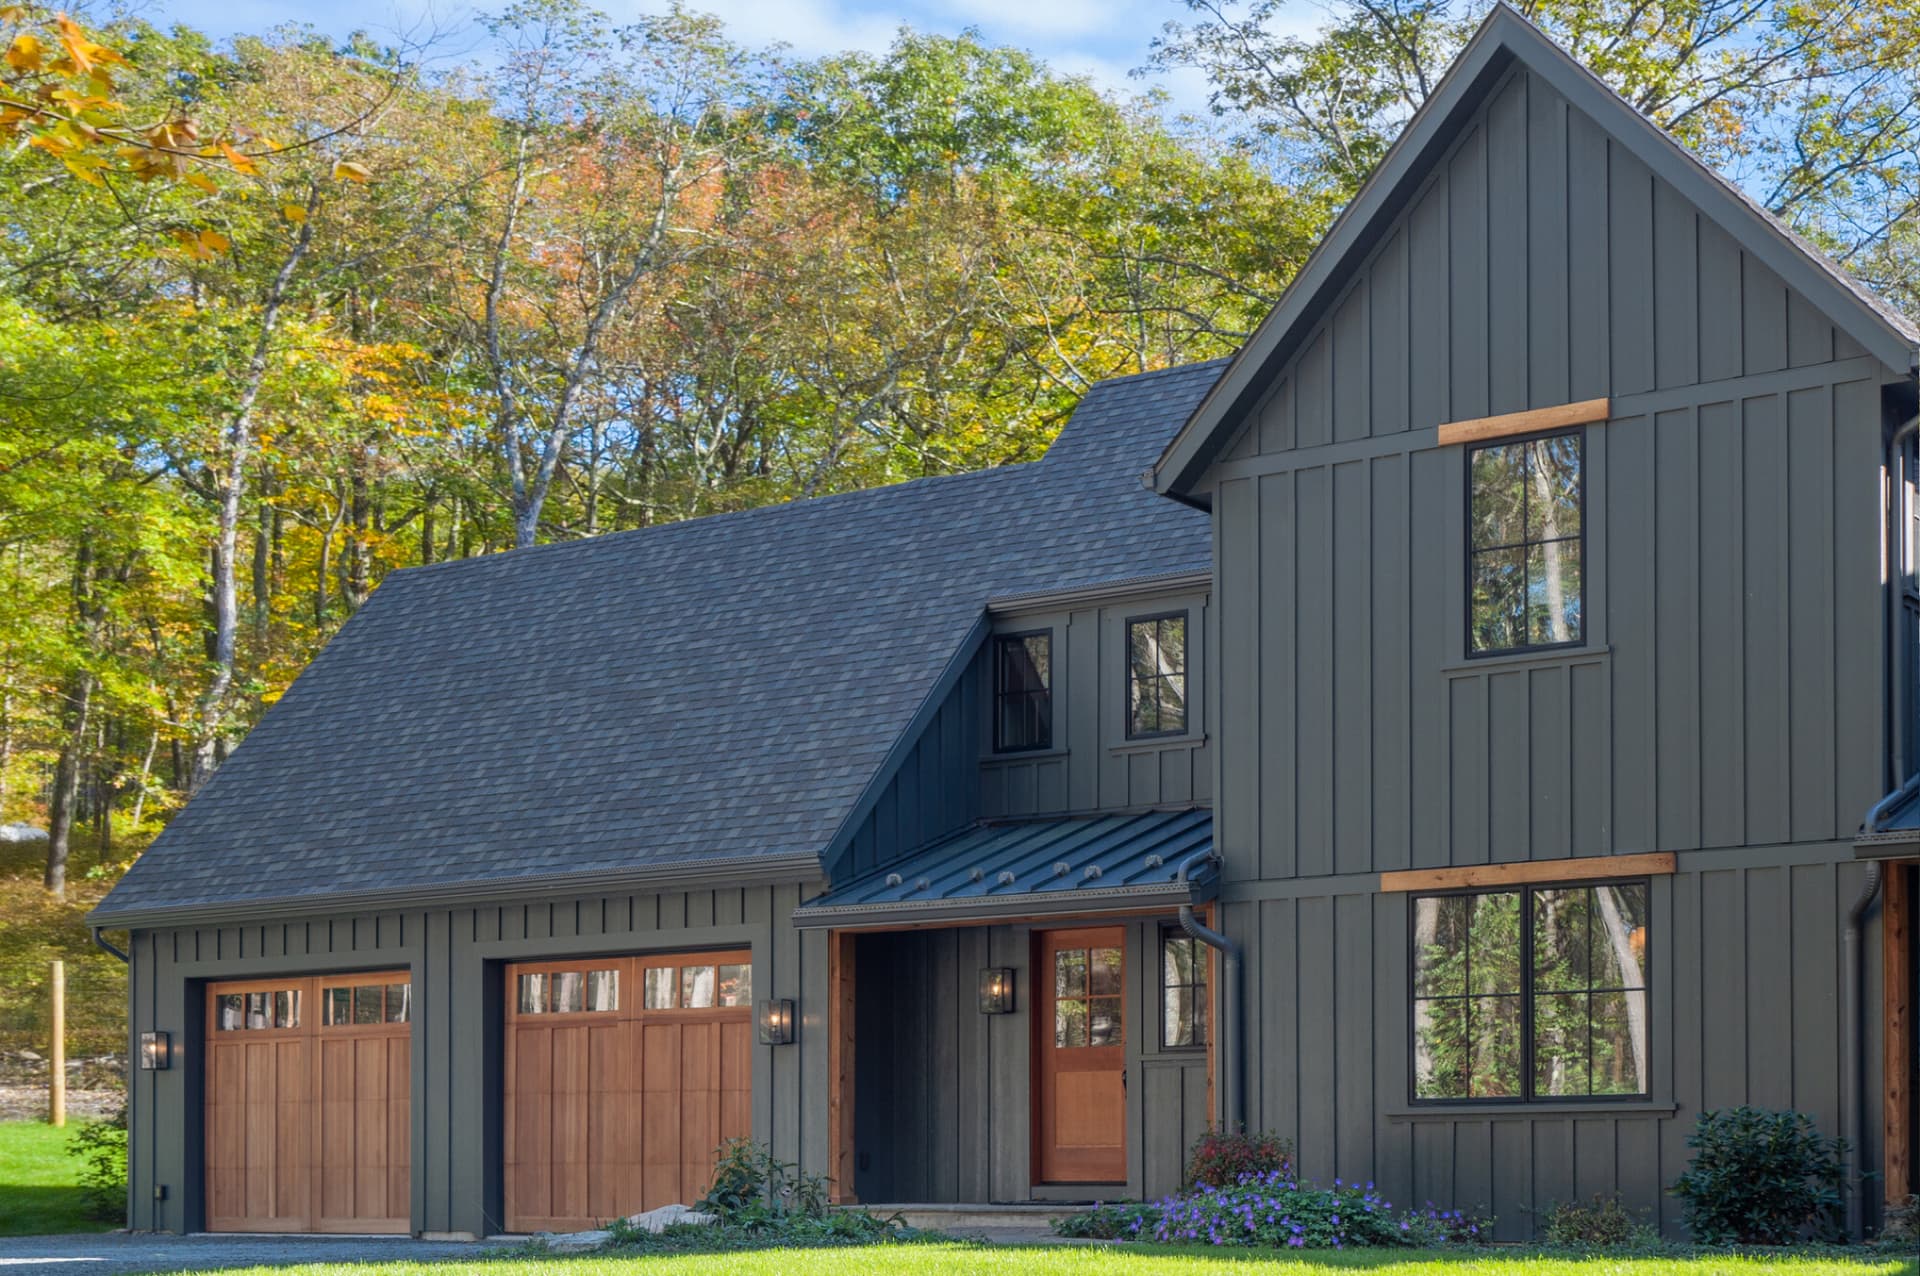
{"x":962,"y":1219}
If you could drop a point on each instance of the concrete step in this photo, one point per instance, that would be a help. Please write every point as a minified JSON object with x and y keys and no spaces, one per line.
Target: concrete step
{"x":970,"y":1219}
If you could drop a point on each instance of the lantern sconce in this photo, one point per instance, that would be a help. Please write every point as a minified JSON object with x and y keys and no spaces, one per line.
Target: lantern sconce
{"x":775,"y":1021}
{"x":156,"y":1051}
{"x":996,"y":990}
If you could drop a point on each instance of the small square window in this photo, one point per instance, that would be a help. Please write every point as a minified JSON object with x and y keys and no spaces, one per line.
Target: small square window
{"x":1157,"y":675}
{"x":1023,"y":691}
{"x":1526,"y":540}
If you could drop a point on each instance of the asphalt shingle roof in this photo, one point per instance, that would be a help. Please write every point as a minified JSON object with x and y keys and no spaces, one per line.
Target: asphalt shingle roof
{"x":715,"y":690}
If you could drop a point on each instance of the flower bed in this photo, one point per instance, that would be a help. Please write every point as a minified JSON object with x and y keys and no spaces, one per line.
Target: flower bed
{"x":1275,"y":1210}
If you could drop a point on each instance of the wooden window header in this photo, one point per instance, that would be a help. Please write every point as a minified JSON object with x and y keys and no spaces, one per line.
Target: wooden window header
{"x":1656,"y":863}
{"x":1480,"y":429}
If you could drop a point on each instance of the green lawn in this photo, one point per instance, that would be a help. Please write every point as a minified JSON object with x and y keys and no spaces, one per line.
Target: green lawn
{"x":965,"y":1260}
{"x":39,"y":1184}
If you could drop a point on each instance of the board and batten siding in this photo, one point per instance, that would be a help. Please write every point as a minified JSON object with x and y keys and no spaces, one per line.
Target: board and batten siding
{"x":932,"y":793}
{"x":1726,"y":704}
{"x":1745,"y":1009}
{"x":454,"y":957}
{"x":945,"y":1092}
{"x":1093,"y":766}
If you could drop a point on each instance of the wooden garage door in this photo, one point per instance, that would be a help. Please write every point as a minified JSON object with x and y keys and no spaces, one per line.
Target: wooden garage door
{"x":624,"y":1075}
{"x":308,"y":1094}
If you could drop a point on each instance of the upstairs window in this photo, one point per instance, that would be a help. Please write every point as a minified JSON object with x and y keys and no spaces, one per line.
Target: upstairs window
{"x":1023,"y":691}
{"x":1535,"y":993}
{"x":1157,"y":675}
{"x":1525,"y":528}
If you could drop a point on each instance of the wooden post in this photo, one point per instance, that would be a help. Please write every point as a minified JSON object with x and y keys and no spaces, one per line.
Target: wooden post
{"x":840,"y":1092}
{"x":57,"y":1066}
{"x":1896,"y":936}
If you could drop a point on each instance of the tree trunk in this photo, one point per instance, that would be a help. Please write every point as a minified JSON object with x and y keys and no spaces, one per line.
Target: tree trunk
{"x":231,"y":486}
{"x":75,"y":712}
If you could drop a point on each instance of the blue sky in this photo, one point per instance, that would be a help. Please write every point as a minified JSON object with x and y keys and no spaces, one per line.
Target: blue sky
{"x":1103,"y":39}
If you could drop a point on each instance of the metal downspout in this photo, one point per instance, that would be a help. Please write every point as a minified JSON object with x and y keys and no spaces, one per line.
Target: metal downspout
{"x":1853,"y":1098}
{"x":1232,"y":1088}
{"x":100,"y":942}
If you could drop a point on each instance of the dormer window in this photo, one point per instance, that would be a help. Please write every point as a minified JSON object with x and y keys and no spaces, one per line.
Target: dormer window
{"x":1023,"y":691}
{"x":1157,"y":675}
{"x":1525,"y":528}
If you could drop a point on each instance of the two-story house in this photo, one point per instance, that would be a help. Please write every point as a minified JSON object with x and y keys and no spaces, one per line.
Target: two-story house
{"x":1478,"y":746}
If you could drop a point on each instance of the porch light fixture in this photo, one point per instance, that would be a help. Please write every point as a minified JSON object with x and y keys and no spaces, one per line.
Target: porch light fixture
{"x":156,"y":1052}
{"x":996,"y":990}
{"x":775,"y":1021}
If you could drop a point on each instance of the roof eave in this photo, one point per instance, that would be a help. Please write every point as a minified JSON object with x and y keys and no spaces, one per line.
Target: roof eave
{"x":681,"y":875}
{"x":1075,"y":902}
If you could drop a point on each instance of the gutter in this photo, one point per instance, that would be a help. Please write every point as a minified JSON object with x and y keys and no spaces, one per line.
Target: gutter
{"x":737,"y":870}
{"x":988,"y":908}
{"x":1232,"y":1089}
{"x":1853,"y":1020}
{"x":100,"y":942}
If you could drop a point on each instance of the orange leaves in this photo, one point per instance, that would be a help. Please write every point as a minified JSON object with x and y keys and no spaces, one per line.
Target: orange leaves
{"x":202,"y":245}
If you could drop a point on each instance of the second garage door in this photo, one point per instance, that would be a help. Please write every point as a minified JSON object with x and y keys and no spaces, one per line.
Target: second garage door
{"x":624,"y":1076}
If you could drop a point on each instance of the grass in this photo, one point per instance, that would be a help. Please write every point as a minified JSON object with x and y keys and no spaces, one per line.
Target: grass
{"x":39,"y":1183}
{"x":1133,"y":1260}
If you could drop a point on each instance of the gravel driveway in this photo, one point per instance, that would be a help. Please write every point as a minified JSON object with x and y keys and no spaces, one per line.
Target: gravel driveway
{"x":109,"y":1253}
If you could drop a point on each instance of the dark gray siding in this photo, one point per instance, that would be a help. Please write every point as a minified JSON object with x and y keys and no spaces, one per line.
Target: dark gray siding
{"x":945,"y":1091}
{"x":1726,"y":705}
{"x":1093,"y":766}
{"x":453,"y":955}
{"x":932,"y":793}
{"x":1746,"y":1009}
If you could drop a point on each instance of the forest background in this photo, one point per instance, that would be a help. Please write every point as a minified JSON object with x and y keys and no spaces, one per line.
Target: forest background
{"x":283,"y":313}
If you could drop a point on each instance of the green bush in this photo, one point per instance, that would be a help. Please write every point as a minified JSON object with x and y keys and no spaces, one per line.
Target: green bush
{"x":101,"y":1148}
{"x":1603,"y":1224}
{"x":1761,"y":1178}
{"x":750,"y":1185}
{"x":1122,"y":1222}
{"x":1221,"y":1159}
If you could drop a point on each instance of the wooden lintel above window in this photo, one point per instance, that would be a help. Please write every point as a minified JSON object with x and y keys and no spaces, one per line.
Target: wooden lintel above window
{"x":1587,"y":868}
{"x":1506,"y":425}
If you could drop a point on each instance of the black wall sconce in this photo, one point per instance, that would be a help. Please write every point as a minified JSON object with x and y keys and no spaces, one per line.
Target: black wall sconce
{"x":996,"y":990}
{"x":775,"y":1021}
{"x":156,"y":1052}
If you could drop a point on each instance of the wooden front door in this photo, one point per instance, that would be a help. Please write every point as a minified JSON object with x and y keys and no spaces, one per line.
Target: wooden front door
{"x":1080,"y":1121}
{"x":624,"y":1076}
{"x":309,"y":1091}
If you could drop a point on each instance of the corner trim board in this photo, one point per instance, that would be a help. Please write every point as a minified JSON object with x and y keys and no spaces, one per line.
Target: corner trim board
{"x":1653,"y":863}
{"x":1508,"y":424}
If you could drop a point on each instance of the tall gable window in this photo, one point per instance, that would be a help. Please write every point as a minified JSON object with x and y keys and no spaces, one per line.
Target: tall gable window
{"x":1023,"y":691}
{"x":1535,"y":993}
{"x":1157,"y":675}
{"x":1525,"y":528}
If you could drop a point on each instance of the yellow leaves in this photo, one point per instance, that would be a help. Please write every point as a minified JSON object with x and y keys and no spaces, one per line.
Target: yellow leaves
{"x":352,"y":171}
{"x":241,"y":163}
{"x":293,"y":213}
{"x":202,"y":245}
{"x":26,"y":53}
{"x":82,"y":53}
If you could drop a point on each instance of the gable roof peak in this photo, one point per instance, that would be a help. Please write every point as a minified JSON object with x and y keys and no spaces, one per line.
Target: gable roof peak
{"x":1504,"y":39}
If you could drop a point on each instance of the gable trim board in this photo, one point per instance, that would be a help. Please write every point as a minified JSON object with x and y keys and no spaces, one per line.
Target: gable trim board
{"x":1504,"y":39}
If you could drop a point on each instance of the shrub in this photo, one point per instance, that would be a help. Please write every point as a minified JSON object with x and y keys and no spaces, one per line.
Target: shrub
{"x":1220,"y":1159}
{"x":1603,"y":1224}
{"x":1761,"y":1178}
{"x":1276,"y":1211}
{"x":101,"y":1148}
{"x":1900,"y":1229}
{"x":750,"y":1185}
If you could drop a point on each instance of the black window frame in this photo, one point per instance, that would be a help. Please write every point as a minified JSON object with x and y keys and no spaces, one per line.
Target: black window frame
{"x":1578,"y":433}
{"x":1527,"y":1098}
{"x":1185,"y":617}
{"x":1001,"y":694}
{"x":1204,"y":967}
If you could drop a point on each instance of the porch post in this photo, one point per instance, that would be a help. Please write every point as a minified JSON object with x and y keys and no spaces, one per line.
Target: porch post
{"x":840,"y":1095}
{"x":1896,"y":938}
